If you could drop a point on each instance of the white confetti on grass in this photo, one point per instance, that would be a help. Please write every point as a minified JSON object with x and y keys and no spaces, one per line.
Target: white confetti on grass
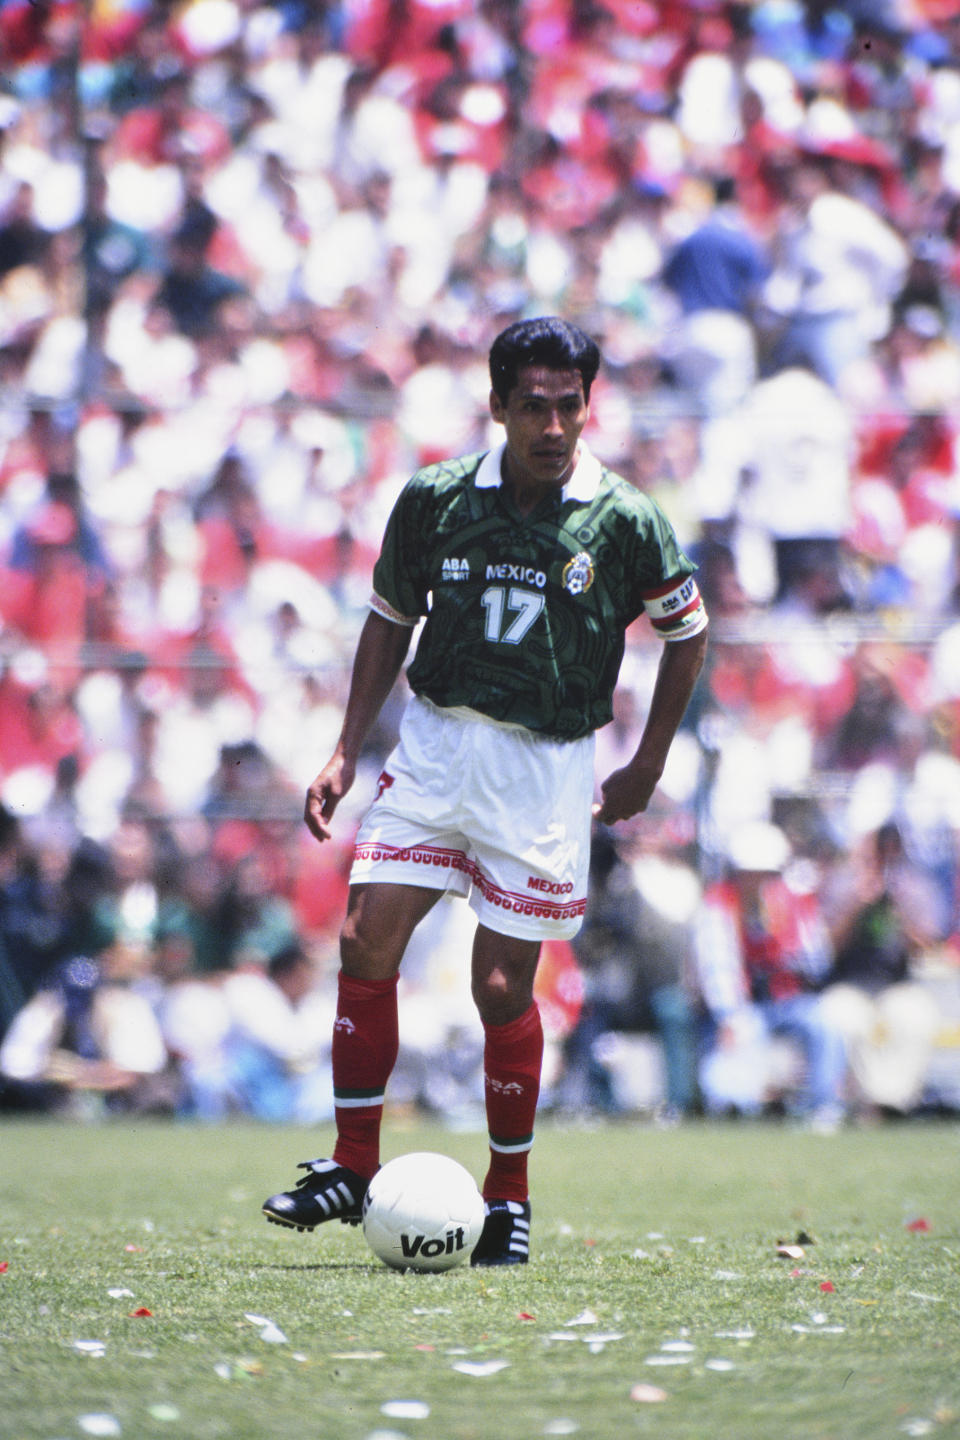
{"x":99,"y":1423}
{"x":598,"y":1343}
{"x":120,"y":1292}
{"x":405,"y":1409}
{"x":719,"y":1365}
{"x":270,"y":1332}
{"x":480,"y":1368}
{"x":96,"y":1349}
{"x":586,"y":1317}
{"x":561,"y":1426}
{"x":273,"y":1335}
{"x":163,"y":1412}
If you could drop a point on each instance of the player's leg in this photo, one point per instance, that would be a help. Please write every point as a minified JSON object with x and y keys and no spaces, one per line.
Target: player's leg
{"x":528,"y":819}
{"x":503,"y":971}
{"x":380,"y":920}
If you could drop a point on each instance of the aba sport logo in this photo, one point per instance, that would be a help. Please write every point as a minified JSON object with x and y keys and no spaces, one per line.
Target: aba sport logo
{"x":578,"y":574}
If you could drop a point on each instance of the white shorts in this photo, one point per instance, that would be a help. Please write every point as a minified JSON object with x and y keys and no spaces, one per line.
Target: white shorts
{"x":488,"y":811}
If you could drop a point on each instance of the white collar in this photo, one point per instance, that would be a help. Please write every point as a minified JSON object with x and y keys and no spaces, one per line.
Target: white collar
{"x":581,"y":486}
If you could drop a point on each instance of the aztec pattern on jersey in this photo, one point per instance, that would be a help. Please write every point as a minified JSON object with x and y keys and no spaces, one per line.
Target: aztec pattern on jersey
{"x":526,"y":614}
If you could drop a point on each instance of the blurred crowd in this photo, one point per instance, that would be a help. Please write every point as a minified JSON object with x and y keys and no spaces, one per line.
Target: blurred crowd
{"x":252,"y":256}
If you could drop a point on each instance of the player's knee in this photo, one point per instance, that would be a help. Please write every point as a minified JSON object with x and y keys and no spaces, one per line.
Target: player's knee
{"x":363,"y":955}
{"x":500,"y":997}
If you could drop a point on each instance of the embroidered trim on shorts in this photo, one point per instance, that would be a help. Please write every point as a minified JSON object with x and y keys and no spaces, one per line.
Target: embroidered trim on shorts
{"x":373,"y":852}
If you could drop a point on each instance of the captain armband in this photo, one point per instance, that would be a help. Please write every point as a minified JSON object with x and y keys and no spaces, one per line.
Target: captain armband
{"x":676,"y":609}
{"x":381,"y":607}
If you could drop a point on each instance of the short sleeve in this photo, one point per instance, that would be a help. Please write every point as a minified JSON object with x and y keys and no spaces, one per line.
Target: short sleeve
{"x":668,"y":590}
{"x":400,"y":586}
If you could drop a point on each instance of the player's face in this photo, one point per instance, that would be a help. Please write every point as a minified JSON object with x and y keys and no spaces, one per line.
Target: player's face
{"x":543,"y":418}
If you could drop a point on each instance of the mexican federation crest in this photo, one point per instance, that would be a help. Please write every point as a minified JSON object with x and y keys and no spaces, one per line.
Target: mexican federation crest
{"x":578,"y":574}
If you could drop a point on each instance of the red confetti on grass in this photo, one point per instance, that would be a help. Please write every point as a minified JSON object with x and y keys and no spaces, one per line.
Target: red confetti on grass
{"x":140,"y":1312}
{"x":4,"y":1266}
{"x":828,"y":1286}
{"x":920,"y":1226}
{"x":525,"y":1315}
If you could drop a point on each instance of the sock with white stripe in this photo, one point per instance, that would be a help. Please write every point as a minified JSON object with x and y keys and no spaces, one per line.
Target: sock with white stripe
{"x":512,"y":1062}
{"x":365,"y":1048}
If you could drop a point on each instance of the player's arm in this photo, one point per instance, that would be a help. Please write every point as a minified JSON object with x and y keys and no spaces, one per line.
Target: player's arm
{"x":380,"y":653}
{"x":628,"y":791}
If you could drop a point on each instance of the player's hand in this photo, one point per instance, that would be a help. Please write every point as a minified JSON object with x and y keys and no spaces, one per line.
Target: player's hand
{"x":626,"y":793}
{"x":325,"y":794}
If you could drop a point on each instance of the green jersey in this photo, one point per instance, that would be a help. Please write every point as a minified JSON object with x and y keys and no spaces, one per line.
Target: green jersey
{"x":526,"y":614}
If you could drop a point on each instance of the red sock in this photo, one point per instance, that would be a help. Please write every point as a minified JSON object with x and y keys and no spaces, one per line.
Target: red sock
{"x":365,"y":1045}
{"x":512,"y":1061}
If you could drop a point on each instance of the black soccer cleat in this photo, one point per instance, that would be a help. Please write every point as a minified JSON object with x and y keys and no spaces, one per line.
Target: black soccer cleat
{"x":505,"y":1237}
{"x":327,"y":1192}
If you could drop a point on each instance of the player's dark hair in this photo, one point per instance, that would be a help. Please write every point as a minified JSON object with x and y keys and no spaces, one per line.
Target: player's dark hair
{"x":545,"y":341}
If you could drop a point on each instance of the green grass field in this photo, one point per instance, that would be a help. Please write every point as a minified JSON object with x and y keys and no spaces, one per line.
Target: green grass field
{"x":654,"y":1264}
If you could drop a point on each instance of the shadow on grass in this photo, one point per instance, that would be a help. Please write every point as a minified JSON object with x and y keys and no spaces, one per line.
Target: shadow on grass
{"x":330,"y":1266}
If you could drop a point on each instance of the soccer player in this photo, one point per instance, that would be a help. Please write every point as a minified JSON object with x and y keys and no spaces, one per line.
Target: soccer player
{"x":529,"y":562}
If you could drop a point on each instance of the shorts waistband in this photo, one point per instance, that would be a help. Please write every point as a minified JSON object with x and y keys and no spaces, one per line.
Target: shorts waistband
{"x":510,"y":727}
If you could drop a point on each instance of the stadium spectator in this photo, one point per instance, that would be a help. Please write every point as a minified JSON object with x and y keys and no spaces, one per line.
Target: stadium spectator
{"x":634,"y":953}
{"x":838,"y":266}
{"x":56,"y":573}
{"x":716,"y":273}
{"x":17,"y":975}
{"x":111,"y":251}
{"x":276,"y":1047}
{"x":788,"y":453}
{"x":22,"y":240}
{"x":192,"y":292}
{"x":884,"y":914}
{"x":87,"y":1043}
{"x":762,"y":950}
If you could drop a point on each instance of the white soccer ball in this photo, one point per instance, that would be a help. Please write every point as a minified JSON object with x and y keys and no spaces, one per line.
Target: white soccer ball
{"x":422,"y":1212}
